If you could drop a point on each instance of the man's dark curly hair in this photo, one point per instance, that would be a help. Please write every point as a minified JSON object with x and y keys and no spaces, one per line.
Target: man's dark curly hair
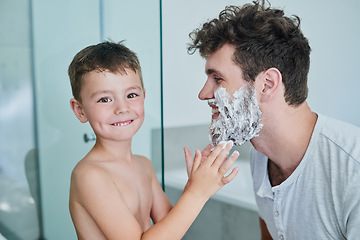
{"x":263,"y":38}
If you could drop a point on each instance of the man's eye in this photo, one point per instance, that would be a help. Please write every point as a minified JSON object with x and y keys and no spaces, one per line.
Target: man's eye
{"x":104,"y":100}
{"x":217,"y":79}
{"x":132,"y":95}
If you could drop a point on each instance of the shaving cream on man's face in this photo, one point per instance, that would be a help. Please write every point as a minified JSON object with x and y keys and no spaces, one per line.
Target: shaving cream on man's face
{"x":239,"y":116}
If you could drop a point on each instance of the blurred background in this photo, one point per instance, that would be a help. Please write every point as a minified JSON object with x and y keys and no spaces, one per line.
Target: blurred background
{"x":41,"y":140}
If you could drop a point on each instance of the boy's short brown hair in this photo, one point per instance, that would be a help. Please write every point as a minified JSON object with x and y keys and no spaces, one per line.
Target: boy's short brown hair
{"x":110,"y":56}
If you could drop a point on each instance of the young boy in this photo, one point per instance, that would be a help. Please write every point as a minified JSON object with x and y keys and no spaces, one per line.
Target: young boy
{"x":113,"y":193}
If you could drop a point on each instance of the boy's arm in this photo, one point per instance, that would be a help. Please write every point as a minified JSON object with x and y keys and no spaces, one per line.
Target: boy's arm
{"x":99,"y":197}
{"x":206,"y":178}
{"x":161,"y":204}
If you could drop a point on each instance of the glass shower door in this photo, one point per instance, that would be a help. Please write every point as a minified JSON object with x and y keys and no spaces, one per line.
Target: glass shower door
{"x":38,"y":41}
{"x":60,"y":30}
{"x":19,"y":192}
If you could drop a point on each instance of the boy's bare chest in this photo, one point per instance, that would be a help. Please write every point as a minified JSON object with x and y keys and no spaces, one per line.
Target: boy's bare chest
{"x":134,"y":186}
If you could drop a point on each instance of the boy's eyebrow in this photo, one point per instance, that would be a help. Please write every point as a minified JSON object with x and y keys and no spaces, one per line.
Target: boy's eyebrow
{"x":100,"y":92}
{"x":109,"y":91}
{"x":133,"y":87}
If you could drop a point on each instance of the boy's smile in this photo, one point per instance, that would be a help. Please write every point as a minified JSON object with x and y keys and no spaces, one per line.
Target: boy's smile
{"x":121,"y":124}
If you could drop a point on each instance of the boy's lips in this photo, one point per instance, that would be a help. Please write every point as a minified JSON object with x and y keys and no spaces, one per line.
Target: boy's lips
{"x":122,"y":124}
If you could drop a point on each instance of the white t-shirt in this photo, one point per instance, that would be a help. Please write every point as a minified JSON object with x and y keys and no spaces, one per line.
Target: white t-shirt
{"x":321,"y":198}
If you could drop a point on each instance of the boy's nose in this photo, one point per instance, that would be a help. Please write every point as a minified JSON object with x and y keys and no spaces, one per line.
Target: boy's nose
{"x":121,"y":107}
{"x":207,"y":92}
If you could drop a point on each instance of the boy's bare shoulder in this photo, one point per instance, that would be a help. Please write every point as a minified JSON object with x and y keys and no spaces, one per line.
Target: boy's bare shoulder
{"x":142,"y":159}
{"x":145,"y":162}
{"x":88,"y":171}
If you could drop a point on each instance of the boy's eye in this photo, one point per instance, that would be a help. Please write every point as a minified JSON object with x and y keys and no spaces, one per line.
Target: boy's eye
{"x":104,"y":100}
{"x":132,"y":95}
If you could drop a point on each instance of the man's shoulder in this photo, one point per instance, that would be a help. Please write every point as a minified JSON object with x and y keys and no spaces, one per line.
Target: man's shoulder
{"x":337,"y":131}
{"x":332,"y":126}
{"x":341,"y":136}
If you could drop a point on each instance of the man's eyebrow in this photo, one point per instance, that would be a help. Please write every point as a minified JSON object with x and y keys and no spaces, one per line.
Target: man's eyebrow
{"x":212,"y":71}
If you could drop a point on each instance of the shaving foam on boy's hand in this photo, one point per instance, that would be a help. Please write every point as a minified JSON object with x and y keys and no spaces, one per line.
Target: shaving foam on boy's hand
{"x":223,"y":143}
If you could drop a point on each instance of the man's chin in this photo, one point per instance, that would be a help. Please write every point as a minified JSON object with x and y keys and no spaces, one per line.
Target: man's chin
{"x":215,"y":116}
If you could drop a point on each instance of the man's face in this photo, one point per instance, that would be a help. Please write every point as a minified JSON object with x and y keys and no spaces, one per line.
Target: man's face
{"x":222,"y":71}
{"x":236,"y":114}
{"x":238,"y":117}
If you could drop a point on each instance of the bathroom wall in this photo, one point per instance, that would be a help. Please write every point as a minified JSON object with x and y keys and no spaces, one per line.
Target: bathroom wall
{"x":219,"y":220}
{"x":333,"y":33}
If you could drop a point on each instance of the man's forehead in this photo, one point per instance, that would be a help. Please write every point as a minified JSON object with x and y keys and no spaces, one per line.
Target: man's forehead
{"x":221,"y":68}
{"x":214,"y":66}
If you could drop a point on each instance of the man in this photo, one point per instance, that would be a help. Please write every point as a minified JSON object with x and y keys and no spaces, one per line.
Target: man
{"x":306,"y":166}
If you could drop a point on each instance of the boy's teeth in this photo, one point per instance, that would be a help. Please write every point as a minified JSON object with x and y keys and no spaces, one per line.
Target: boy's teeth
{"x":122,"y":124}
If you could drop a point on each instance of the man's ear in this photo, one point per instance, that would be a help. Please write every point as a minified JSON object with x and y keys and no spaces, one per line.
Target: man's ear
{"x":270,"y":83}
{"x":78,"y":110}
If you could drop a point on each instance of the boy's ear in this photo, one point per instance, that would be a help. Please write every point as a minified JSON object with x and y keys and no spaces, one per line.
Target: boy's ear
{"x":271,"y":81}
{"x":78,"y":110}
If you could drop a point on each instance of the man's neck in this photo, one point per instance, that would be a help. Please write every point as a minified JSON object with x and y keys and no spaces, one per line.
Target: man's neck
{"x":284,"y":139}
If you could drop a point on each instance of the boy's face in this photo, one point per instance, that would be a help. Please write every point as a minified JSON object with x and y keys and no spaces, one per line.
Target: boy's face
{"x":112,"y":103}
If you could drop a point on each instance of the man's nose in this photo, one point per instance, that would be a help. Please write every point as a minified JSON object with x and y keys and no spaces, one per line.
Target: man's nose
{"x":207,"y":92}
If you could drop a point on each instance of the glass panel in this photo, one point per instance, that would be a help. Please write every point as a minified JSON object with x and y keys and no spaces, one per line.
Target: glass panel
{"x":61,"y":29}
{"x":118,"y":27}
{"x":18,"y":158}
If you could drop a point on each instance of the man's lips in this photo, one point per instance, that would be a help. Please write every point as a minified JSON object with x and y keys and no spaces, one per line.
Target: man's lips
{"x":215,"y":112}
{"x":122,"y":124}
{"x":214,"y":108}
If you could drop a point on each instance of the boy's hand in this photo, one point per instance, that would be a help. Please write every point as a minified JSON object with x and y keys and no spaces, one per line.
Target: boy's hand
{"x":207,"y":174}
{"x":190,"y":161}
